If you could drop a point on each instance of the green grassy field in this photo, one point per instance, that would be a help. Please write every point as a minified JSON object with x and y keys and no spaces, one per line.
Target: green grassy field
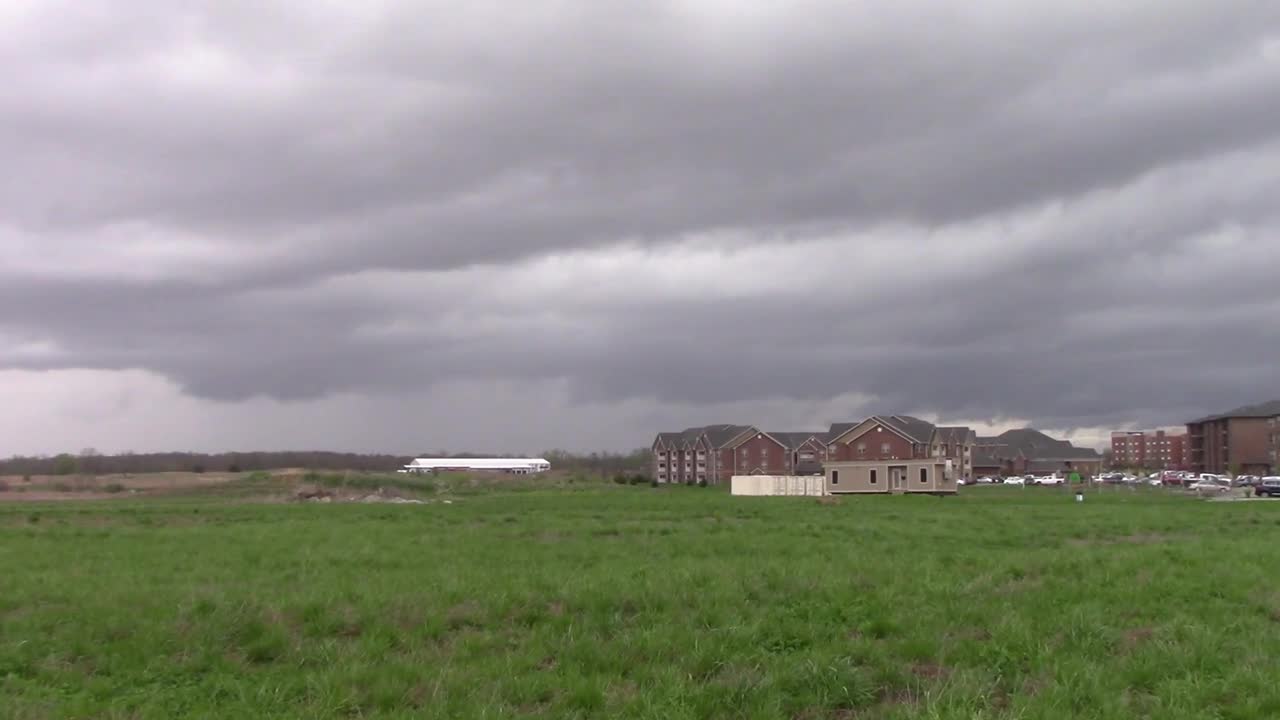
{"x":643,"y":603}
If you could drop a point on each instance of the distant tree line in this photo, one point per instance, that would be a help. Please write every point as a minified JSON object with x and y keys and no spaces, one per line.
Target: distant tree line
{"x":603,"y":465}
{"x":91,"y":462}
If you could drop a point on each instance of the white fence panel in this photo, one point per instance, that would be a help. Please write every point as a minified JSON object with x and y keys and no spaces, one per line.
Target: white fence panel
{"x":778,"y":485}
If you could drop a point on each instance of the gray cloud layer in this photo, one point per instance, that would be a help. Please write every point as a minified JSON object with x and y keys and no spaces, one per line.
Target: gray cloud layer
{"x":1008,"y":210}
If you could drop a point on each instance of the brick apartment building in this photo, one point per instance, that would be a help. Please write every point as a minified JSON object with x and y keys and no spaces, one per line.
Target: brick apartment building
{"x":1150,"y":450}
{"x":1027,"y":451}
{"x":1245,"y":440}
{"x":716,"y":453}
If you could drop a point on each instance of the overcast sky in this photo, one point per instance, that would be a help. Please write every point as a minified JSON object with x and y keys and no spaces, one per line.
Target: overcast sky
{"x":402,"y":226}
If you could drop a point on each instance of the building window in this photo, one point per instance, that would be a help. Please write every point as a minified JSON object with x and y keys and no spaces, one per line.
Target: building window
{"x":862,"y":448}
{"x":835,"y":477}
{"x":924,"y":475}
{"x":884,"y":448}
{"x":873,"y":477}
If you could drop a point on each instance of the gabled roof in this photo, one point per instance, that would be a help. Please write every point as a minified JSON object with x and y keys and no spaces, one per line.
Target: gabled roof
{"x":1261,"y":410}
{"x":668,"y":439}
{"x":691,"y":435}
{"x":1035,"y":445}
{"x":953,"y":435}
{"x":722,"y":435}
{"x":793,"y":440}
{"x":918,"y":430}
{"x":838,"y":429}
{"x":911,"y":428}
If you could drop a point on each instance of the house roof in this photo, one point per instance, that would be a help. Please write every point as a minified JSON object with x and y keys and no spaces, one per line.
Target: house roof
{"x":918,"y":430}
{"x":1261,"y":410}
{"x":912,"y":428}
{"x":953,"y":435}
{"x":667,"y":438}
{"x":838,"y":429}
{"x":1035,"y":445}
{"x":793,"y":440}
{"x":721,"y":435}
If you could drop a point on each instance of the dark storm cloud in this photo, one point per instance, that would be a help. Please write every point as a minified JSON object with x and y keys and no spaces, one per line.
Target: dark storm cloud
{"x":1082,"y":202}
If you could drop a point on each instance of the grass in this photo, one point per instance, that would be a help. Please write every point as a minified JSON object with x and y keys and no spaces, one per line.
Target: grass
{"x":631,"y":602}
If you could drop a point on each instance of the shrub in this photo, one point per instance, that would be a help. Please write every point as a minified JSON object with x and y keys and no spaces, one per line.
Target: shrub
{"x":689,"y":482}
{"x":114,"y":488}
{"x":233,"y":468}
{"x":620,"y":479}
{"x":702,"y":483}
{"x":197,"y":469}
{"x":637,"y":479}
{"x":4,"y":486}
{"x":653,"y":482}
{"x":61,"y":487}
{"x":64,"y":464}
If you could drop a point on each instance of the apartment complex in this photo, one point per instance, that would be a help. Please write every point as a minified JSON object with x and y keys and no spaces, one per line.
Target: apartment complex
{"x":716,"y":453}
{"x":1245,"y":440}
{"x":901,"y":437}
{"x":1026,"y":451}
{"x":1150,"y":450}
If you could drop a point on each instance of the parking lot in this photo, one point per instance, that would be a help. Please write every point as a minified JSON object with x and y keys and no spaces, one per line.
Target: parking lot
{"x":1209,"y":485}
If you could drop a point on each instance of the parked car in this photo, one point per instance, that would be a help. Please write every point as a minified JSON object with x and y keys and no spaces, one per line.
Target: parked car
{"x":985,"y":481}
{"x":1210,"y":485}
{"x":1048,"y":480}
{"x":1155,"y":481}
{"x":1246,"y":481}
{"x":1269,"y":486}
{"x":1015,"y":480}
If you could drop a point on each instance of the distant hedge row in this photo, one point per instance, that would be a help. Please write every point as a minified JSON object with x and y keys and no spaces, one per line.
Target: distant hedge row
{"x":638,"y":479}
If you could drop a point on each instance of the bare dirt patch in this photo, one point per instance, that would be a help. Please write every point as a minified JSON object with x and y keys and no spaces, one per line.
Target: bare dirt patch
{"x":930,"y":671}
{"x":54,"y":488}
{"x":1136,"y":637}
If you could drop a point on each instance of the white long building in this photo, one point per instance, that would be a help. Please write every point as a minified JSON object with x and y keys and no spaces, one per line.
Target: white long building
{"x":514,"y":466}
